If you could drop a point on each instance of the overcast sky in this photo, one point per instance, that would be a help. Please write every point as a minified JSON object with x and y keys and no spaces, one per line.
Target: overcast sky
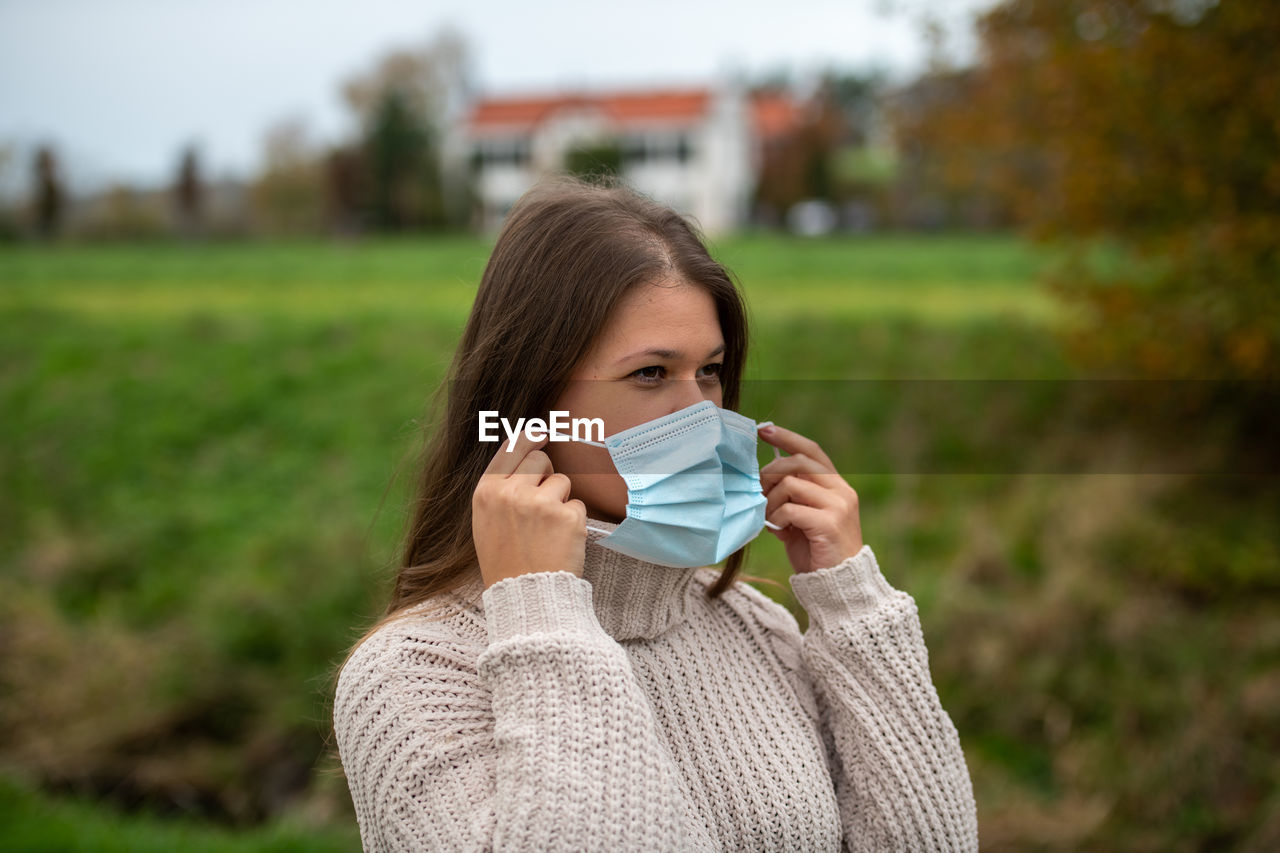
{"x":121,"y":85}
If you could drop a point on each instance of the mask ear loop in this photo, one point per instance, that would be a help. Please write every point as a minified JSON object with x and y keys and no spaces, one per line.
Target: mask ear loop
{"x":777,"y":454}
{"x":559,"y":436}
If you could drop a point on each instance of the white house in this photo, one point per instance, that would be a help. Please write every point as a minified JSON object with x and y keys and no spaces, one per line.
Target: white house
{"x":696,"y":149}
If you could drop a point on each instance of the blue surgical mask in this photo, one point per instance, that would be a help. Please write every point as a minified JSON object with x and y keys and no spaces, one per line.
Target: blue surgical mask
{"x":693,"y":487}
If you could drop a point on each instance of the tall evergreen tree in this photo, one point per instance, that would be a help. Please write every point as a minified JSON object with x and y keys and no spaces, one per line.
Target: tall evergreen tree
{"x":188,"y":193}
{"x":50,"y":196}
{"x":398,"y":147}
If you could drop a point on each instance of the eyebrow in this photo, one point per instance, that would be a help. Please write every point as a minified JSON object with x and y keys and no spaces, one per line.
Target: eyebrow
{"x":668,"y":354}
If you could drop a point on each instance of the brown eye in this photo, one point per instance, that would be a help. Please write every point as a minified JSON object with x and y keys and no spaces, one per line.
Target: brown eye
{"x":648,"y":374}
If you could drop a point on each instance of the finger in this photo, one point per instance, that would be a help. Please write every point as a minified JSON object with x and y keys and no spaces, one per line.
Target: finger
{"x":535,"y":464}
{"x":796,"y":465}
{"x":557,"y":486}
{"x":794,"y":442}
{"x":505,"y":461}
{"x":801,"y":491}
{"x":806,"y":519}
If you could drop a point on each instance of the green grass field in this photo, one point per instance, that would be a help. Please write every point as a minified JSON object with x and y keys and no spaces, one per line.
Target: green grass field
{"x":205,"y":458}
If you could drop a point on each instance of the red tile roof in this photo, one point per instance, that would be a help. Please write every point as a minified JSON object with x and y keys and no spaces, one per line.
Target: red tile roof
{"x":771,"y":113}
{"x":687,"y":105}
{"x":506,"y":111}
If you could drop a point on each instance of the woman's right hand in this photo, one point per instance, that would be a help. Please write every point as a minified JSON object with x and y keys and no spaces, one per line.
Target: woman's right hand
{"x":522,"y":519}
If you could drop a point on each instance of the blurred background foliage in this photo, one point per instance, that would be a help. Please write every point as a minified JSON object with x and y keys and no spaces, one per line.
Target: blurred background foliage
{"x":211,"y":421}
{"x":1143,"y":137}
{"x":206,"y":458}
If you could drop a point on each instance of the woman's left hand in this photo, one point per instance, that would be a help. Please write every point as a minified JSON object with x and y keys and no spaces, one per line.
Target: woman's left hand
{"x":816,"y":508}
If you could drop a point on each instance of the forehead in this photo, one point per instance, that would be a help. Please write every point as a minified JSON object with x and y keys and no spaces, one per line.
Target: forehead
{"x":670,"y":311}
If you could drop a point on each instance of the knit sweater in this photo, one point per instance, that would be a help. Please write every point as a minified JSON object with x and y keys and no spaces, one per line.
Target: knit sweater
{"x":624,"y":710}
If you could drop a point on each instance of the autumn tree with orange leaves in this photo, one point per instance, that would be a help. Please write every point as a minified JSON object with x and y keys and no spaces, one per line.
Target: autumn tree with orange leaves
{"x":1143,"y":136}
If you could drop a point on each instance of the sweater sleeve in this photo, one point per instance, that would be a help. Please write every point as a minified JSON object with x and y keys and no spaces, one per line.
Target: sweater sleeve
{"x":900,"y":775}
{"x":547,"y":743}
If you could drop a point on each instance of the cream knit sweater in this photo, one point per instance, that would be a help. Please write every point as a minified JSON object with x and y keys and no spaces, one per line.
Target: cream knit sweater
{"x":624,"y":710}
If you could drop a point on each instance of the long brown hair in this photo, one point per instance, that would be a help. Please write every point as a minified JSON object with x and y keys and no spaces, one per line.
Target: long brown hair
{"x":565,"y":256}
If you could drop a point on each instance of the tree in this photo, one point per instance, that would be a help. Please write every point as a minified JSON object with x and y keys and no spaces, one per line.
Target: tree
{"x":289,"y":196}
{"x":188,"y":193}
{"x":944,"y":166}
{"x":432,"y":80}
{"x":596,"y":160}
{"x":345,"y":191}
{"x":405,"y":174}
{"x":1141,"y":135}
{"x":404,"y":105}
{"x":856,"y":96}
{"x":49,"y":194}
{"x":124,"y":213}
{"x":9,"y":225}
{"x":798,"y":165}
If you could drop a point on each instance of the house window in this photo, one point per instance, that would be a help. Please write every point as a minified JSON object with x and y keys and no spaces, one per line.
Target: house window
{"x":510,"y":151}
{"x":656,"y":148}
{"x":683,"y":148}
{"x":669,"y":148}
{"x":632,"y":149}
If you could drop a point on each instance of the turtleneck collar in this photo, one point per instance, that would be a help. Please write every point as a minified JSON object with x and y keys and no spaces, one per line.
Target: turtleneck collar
{"x":634,"y":598}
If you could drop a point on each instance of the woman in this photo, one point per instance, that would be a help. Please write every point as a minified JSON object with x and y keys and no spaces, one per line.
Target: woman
{"x":555,"y":671}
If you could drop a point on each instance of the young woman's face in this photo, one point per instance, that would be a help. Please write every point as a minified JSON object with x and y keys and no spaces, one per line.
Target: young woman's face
{"x":661,"y":351}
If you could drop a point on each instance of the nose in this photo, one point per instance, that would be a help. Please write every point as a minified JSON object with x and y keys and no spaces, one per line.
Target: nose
{"x":688,"y":392}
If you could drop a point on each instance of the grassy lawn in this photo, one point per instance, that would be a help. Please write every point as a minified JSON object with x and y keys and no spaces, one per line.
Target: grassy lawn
{"x":36,"y":823}
{"x":205,"y":453}
{"x":956,"y":281}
